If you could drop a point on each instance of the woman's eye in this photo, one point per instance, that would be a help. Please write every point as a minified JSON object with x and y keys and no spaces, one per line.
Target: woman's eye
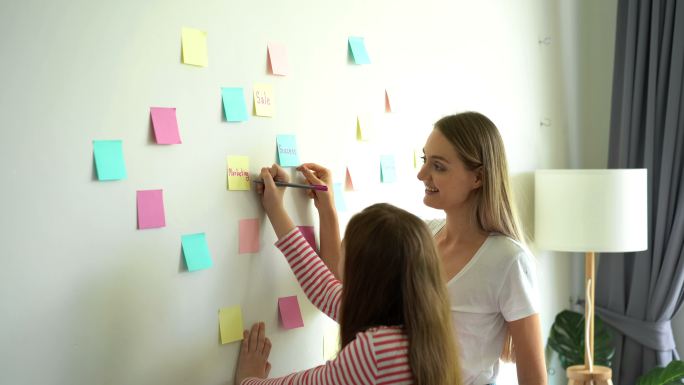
{"x":438,"y":167}
{"x":423,"y":158}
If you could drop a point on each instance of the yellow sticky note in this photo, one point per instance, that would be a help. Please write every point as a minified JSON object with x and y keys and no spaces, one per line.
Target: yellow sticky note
{"x":194,"y":44}
{"x":331,"y":342}
{"x":365,"y":127}
{"x":238,"y":172}
{"x":230,"y":324}
{"x":263,"y":99}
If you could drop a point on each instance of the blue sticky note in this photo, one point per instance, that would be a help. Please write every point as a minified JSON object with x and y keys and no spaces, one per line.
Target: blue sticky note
{"x":338,"y":194}
{"x":234,"y":104}
{"x":109,"y":160}
{"x":388,"y":173}
{"x":287,"y":150}
{"x":358,"y":49}
{"x":196,"y":251}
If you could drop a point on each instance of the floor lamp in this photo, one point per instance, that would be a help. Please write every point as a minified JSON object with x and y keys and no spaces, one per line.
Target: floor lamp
{"x":590,"y":211}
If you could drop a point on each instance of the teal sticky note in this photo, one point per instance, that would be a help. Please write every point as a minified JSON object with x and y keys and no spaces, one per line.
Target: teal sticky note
{"x":234,"y":104}
{"x":109,"y":160}
{"x":287,"y":150}
{"x":338,"y":194}
{"x":388,"y":173}
{"x":196,"y":251}
{"x":358,"y":49}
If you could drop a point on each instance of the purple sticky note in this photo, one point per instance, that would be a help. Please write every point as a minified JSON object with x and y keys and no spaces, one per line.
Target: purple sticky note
{"x":150,"y":209}
{"x":165,"y":125}
{"x":290,"y":314}
{"x":249,"y":236}
{"x":308,"y":233}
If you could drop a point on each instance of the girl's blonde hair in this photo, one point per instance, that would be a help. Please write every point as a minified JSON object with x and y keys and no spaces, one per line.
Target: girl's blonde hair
{"x":393,"y":276}
{"x":479,"y":145}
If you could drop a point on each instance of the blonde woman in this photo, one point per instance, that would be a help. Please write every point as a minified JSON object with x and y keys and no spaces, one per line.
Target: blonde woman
{"x":489,"y":273}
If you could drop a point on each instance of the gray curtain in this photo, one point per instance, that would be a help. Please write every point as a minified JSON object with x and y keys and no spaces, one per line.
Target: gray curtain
{"x":639,"y":293}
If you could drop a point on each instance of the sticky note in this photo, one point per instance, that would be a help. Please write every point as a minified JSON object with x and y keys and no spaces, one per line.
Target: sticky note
{"x":249,"y":236}
{"x":234,"y":105}
{"x":165,"y":125}
{"x":109,"y":160}
{"x":238,"y":172}
{"x":287,"y":151}
{"x":338,"y":194}
{"x":388,"y":173}
{"x":348,"y":182}
{"x":290,"y":313}
{"x":308,"y":233}
{"x":358,"y":50}
{"x":388,"y":106}
{"x":150,"y":209}
{"x":194,"y":44}
{"x":263,"y":99}
{"x":196,"y":251}
{"x":365,"y":127}
{"x":331,"y":342}
{"x":277,"y":57}
{"x":230,"y":324}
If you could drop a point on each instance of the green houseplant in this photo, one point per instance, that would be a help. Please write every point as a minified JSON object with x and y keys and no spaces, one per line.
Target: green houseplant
{"x":671,"y":374}
{"x":567,"y":340}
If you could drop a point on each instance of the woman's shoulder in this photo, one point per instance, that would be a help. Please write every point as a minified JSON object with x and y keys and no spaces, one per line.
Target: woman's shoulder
{"x":505,"y":248}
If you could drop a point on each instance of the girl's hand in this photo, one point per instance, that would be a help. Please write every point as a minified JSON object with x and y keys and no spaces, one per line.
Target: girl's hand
{"x":272,"y":195}
{"x":253,"y":359}
{"x":317,"y":174}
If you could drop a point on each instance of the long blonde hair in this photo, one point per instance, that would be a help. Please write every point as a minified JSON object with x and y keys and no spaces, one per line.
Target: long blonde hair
{"x":393,"y":276}
{"x":479,"y":145}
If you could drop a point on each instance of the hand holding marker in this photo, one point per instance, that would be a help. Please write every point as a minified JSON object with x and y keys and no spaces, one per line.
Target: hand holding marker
{"x":298,"y":185}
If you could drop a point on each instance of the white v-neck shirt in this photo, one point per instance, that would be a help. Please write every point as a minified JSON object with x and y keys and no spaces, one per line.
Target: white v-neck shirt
{"x":495,"y":286}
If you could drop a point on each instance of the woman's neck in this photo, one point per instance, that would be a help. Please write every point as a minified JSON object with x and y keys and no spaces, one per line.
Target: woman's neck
{"x":462,"y":227}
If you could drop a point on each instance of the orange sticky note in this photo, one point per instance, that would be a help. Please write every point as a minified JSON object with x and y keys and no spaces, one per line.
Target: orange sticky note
{"x":277,"y":59}
{"x":249,"y":236}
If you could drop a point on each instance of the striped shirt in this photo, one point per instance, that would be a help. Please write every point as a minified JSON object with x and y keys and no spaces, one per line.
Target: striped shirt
{"x":376,"y":356}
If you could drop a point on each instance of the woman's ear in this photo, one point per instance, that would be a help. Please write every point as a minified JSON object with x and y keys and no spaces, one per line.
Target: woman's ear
{"x":479,"y":176}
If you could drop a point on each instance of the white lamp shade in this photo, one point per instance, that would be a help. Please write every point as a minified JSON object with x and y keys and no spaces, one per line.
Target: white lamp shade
{"x":591,"y":210}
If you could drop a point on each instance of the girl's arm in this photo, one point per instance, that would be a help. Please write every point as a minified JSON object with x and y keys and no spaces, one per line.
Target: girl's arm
{"x":329,"y":225}
{"x":356,"y":364}
{"x":319,"y":284}
{"x":529,"y":351}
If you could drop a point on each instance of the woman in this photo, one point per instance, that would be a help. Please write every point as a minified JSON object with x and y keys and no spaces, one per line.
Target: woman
{"x":393,"y":308}
{"x":489,"y":273}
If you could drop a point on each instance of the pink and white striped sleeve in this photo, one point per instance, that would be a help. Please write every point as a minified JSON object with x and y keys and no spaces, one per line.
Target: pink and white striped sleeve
{"x":318,"y":283}
{"x":354,"y":365}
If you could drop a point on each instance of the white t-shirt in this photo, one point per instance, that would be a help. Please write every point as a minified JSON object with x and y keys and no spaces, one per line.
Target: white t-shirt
{"x":497,"y":285}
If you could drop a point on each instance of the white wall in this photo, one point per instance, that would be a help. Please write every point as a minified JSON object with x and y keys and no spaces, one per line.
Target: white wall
{"x":88,"y":299}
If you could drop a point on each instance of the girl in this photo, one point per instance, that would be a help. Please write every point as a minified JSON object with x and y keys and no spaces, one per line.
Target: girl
{"x":489,"y":273}
{"x":393,"y":308}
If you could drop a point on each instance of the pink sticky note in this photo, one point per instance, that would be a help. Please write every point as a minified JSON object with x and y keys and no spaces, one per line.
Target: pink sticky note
{"x":277,"y":56}
{"x":165,"y":125}
{"x":150,"y":209}
{"x":290,"y":314}
{"x":308,"y":233}
{"x":249,"y":236}
{"x":388,"y":107}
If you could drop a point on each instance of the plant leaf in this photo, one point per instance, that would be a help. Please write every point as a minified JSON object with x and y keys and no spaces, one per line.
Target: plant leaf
{"x":671,"y":374}
{"x":567,"y":339}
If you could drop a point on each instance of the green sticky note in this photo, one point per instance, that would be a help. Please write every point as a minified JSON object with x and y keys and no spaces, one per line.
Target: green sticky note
{"x":338,"y":194}
{"x":358,"y":50}
{"x":196,"y":251}
{"x":388,"y":173}
{"x":109,"y":160}
{"x":234,"y":104}
{"x":230,"y":324}
{"x":287,"y":150}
